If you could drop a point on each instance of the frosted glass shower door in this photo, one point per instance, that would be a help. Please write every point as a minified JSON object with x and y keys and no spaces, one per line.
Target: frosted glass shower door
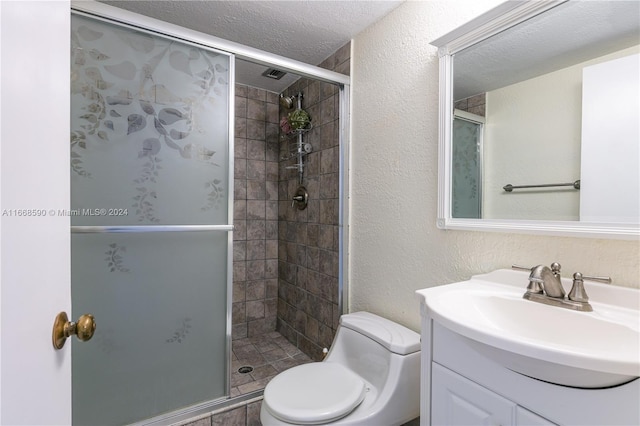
{"x":151,"y":222}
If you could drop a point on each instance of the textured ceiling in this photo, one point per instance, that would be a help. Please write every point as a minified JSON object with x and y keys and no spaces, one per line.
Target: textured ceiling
{"x":568,"y":34}
{"x":307,"y":31}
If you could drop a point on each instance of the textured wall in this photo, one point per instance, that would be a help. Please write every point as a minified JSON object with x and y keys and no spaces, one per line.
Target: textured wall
{"x":395,"y":245}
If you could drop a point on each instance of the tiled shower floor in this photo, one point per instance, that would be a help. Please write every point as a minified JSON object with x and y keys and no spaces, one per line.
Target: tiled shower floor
{"x":267,"y":355}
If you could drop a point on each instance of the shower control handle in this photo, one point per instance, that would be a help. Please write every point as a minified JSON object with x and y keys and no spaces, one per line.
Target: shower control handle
{"x":301,"y":198}
{"x":63,"y":329}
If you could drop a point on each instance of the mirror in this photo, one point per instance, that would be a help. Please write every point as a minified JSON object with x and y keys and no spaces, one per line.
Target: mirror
{"x":539,"y":127}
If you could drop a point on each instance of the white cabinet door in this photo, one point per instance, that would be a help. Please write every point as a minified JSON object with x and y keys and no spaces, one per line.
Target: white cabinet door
{"x":456,"y":401}
{"x":525,"y":417}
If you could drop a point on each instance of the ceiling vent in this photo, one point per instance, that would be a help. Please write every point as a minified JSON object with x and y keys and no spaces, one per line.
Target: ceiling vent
{"x":274,"y":73}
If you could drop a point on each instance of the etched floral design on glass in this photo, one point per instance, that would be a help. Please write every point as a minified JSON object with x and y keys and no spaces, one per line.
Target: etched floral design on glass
{"x":181,"y":333}
{"x":158,"y":106}
{"x":114,"y":258}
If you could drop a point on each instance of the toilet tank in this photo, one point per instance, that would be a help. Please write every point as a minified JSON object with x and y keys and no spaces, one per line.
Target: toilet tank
{"x":367,"y":344}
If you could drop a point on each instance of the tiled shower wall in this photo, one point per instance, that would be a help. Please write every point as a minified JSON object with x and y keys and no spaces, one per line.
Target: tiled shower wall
{"x":308,"y":245}
{"x":255,"y":245}
{"x":285,"y":260}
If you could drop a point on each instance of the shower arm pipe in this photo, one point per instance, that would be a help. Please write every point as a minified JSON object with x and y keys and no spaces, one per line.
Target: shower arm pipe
{"x":141,"y":22}
{"x":148,"y":228}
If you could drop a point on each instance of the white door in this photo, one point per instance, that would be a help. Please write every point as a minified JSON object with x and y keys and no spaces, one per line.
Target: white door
{"x":610,"y":179}
{"x":35,"y":267}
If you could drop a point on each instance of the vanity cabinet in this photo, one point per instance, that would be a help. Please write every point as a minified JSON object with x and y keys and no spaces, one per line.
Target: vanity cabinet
{"x":456,"y":400}
{"x":462,"y":383}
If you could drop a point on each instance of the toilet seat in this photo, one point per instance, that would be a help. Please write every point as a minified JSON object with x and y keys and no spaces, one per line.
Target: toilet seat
{"x":314,"y":393}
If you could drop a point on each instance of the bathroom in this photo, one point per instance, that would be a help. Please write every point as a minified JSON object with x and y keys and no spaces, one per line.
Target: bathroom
{"x":395,"y":247}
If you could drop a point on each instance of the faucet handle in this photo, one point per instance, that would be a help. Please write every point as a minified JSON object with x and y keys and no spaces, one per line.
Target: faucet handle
{"x":521,"y":268}
{"x":577,"y":293}
{"x":606,"y":280}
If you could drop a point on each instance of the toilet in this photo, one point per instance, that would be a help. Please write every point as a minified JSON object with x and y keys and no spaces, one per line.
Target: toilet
{"x":371,"y":376}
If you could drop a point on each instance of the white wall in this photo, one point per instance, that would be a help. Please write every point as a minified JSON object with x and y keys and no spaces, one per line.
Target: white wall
{"x":532,"y":137}
{"x":395,"y":247}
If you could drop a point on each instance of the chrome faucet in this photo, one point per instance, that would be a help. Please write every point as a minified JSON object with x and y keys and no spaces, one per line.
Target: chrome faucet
{"x":545,"y":286}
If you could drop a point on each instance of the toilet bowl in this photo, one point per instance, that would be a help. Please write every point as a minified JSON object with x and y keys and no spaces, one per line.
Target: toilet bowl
{"x":371,"y":376}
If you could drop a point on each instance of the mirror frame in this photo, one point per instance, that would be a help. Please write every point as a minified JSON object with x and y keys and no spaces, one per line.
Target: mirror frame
{"x":496,"y":20}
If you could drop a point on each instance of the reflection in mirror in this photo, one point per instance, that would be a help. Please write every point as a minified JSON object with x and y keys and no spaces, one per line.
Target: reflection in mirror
{"x":531,"y":86}
{"x":466,"y":173}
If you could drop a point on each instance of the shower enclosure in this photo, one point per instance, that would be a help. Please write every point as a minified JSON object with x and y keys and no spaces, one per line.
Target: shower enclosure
{"x":152,"y":216}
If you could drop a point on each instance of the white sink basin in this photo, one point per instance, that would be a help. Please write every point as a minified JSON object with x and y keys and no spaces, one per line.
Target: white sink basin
{"x":580,"y":349}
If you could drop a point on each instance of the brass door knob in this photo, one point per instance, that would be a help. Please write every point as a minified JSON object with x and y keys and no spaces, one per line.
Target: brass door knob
{"x":63,"y":329}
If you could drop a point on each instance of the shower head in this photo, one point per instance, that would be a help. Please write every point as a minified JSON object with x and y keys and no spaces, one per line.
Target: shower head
{"x":286,"y":101}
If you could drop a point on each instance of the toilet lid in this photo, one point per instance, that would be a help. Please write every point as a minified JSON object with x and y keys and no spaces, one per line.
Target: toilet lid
{"x":315,"y":393}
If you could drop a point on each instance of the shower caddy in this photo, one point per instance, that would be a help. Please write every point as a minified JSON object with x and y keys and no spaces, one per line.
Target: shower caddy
{"x":298,"y":150}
